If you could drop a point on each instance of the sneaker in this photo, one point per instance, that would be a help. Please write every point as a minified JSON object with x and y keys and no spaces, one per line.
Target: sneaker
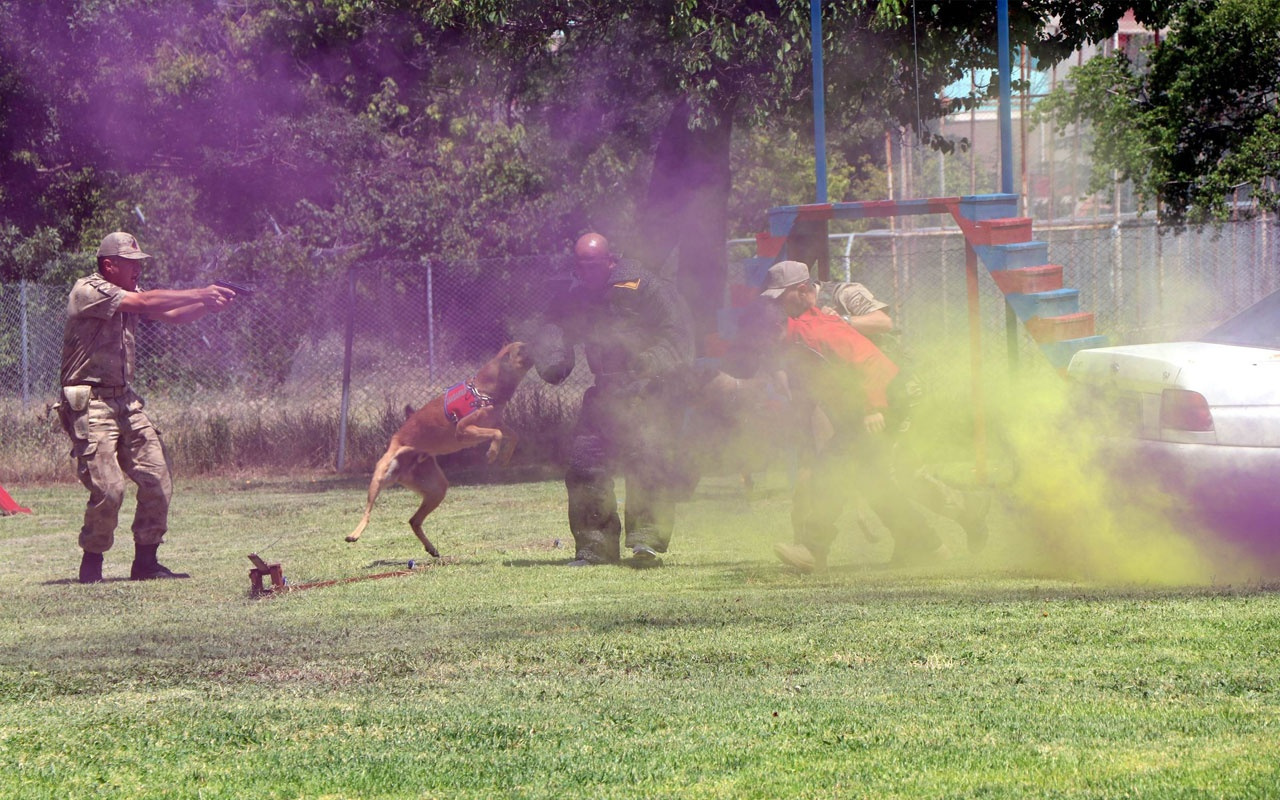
{"x":643,"y":556}
{"x":152,"y":572}
{"x":796,"y":555}
{"x":973,"y":518}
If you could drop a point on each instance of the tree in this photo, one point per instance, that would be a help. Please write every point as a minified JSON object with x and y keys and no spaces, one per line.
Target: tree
{"x":455,"y":128}
{"x":1200,"y":123}
{"x":210,"y":125}
{"x":684,"y":74}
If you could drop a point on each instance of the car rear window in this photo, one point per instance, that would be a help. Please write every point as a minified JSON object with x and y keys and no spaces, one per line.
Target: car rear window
{"x":1256,"y":326}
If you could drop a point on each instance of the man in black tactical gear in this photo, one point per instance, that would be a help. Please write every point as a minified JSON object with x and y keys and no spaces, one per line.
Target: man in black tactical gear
{"x":637,"y":334}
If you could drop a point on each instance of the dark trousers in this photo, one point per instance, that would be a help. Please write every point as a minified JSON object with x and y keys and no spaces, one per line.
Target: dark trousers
{"x":633,"y":435}
{"x":852,"y":464}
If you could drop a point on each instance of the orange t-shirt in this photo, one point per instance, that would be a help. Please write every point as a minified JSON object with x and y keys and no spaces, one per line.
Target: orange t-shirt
{"x":840,"y":344}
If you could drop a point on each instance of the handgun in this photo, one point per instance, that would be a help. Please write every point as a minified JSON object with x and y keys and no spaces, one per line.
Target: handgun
{"x":235,"y":287}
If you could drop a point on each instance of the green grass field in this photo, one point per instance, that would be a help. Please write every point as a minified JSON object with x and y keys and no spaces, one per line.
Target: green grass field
{"x":501,"y":673}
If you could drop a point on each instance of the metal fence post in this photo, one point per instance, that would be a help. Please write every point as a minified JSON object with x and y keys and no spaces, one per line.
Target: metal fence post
{"x":346,"y":369}
{"x":431,"y":327}
{"x":26,"y":356}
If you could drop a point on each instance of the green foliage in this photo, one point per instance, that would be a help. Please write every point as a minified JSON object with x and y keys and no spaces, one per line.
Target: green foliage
{"x":1103,"y":90}
{"x":1200,"y":123}
{"x":446,"y":130}
{"x":773,"y":166}
{"x":25,"y":256}
{"x":336,"y":124}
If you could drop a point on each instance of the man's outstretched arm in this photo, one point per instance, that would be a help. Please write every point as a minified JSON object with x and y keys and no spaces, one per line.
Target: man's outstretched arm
{"x":177,"y":305}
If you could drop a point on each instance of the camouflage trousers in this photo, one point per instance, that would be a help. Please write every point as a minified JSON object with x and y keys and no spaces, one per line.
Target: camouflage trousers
{"x":614,"y":435}
{"x":112,"y":439}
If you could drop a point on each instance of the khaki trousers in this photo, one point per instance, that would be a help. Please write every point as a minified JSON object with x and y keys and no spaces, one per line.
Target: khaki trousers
{"x":113,"y":439}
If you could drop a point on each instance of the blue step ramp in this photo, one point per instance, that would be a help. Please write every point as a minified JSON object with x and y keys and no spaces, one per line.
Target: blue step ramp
{"x":754,"y":270}
{"x":1059,"y":353}
{"x":979,"y":207}
{"x":1054,"y":303}
{"x":1017,"y":255}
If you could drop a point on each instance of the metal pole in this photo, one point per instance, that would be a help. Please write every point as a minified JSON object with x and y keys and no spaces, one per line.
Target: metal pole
{"x":893,"y":220}
{"x":1006,"y":112}
{"x":346,"y":369}
{"x":1006,"y":159}
{"x":975,"y":365}
{"x":1011,"y":337}
{"x":973,"y":137}
{"x":1011,"y":324}
{"x":819,"y":101}
{"x":26,"y":357}
{"x":1024,"y":71}
{"x":431,"y":327}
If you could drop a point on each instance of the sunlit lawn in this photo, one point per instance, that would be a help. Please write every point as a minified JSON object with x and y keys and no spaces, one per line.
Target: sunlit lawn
{"x":501,"y":673}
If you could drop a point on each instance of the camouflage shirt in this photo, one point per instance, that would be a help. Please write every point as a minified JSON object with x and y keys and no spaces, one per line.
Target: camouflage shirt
{"x":848,"y":299}
{"x":98,"y":342}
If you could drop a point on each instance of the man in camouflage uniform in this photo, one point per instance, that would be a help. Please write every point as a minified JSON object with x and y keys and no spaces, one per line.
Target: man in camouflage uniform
{"x":637,"y":334}
{"x":111,"y":435}
{"x":858,"y":306}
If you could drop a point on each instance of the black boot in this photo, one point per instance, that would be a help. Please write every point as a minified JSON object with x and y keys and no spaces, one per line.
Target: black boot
{"x":596,"y":547}
{"x":146,"y":568}
{"x":91,"y":567}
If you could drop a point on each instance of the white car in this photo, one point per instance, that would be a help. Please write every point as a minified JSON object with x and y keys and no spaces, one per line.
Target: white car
{"x":1201,"y":417}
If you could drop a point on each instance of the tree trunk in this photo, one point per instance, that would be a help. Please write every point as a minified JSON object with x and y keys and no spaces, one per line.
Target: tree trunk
{"x":686,"y":212}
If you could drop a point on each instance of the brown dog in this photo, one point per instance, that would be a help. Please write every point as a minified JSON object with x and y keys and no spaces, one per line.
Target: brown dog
{"x":465,"y":415}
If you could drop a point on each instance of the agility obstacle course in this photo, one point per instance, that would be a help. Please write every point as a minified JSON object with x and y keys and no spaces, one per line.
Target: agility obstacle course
{"x":994,"y":237}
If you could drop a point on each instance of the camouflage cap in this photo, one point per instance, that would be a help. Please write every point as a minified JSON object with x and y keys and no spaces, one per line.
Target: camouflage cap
{"x":120,"y":245}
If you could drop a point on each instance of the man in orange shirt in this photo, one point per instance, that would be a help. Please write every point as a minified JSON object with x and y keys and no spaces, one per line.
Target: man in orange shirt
{"x":841,"y":383}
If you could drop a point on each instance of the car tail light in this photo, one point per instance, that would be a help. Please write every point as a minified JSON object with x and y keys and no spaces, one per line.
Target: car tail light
{"x":1185,"y":410}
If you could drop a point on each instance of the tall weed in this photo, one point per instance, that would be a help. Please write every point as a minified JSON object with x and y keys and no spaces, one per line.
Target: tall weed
{"x":253,"y":436}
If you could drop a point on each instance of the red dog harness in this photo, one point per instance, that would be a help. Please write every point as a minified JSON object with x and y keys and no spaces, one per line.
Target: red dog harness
{"x":462,"y":398}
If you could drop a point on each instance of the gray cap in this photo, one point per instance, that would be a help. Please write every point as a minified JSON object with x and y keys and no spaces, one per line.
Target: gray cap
{"x":120,"y":245}
{"x":784,"y":275}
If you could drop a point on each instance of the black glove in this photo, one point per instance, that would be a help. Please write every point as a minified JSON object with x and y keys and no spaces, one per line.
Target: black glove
{"x":552,"y":356}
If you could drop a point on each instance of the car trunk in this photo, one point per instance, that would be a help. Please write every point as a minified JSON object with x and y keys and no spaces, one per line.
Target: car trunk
{"x":1152,"y":391}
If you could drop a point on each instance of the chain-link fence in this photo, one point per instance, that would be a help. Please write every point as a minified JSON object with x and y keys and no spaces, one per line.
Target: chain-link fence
{"x":1141,"y":286}
{"x":307,"y":376}
{"x":319,"y":376}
